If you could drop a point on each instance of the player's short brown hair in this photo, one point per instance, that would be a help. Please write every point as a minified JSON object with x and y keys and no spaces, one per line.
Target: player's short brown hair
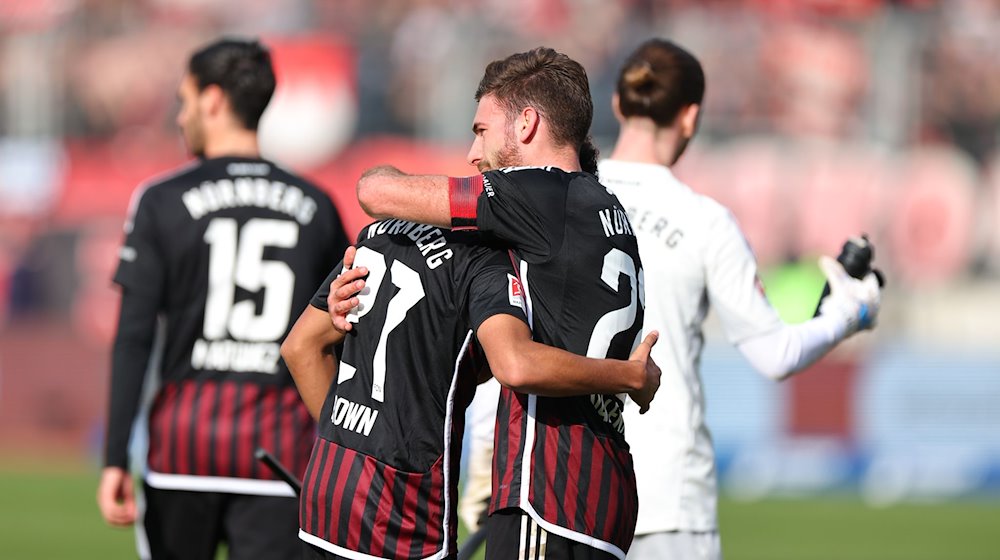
{"x":552,"y":83}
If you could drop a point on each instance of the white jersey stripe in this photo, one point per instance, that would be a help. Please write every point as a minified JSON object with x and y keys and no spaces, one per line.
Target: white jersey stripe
{"x":193,"y":483}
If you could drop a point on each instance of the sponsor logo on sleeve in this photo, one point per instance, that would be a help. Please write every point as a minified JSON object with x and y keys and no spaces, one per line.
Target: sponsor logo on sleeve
{"x":514,"y":292}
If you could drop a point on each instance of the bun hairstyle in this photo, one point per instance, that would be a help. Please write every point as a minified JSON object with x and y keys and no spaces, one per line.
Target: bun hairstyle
{"x":659,"y":79}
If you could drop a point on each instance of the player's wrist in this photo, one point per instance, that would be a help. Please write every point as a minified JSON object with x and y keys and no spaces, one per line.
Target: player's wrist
{"x":635,"y":378}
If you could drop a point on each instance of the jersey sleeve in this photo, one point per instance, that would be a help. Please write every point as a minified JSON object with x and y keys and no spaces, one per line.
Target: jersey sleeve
{"x":141,"y":261}
{"x":493,"y":288}
{"x":734,"y":287}
{"x":523,"y":207}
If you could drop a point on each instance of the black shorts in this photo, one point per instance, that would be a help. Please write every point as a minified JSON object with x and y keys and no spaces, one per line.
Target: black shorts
{"x":313,"y":552}
{"x":186,"y":525}
{"x":513,"y":534}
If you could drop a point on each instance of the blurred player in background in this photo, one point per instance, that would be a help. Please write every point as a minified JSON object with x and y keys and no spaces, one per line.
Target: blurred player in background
{"x":696,"y":257}
{"x":563,"y":473}
{"x":383,"y":478}
{"x":219,"y":258}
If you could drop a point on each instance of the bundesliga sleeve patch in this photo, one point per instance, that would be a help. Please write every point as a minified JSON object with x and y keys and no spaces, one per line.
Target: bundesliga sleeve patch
{"x":515,"y":293}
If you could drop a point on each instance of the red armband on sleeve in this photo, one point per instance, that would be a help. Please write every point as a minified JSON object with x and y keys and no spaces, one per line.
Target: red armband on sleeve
{"x":463,"y":194}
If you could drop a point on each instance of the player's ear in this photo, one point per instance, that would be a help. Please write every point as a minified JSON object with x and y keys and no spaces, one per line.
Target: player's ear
{"x":688,"y":119}
{"x":616,"y":108}
{"x":212,"y":100}
{"x":527,"y":124}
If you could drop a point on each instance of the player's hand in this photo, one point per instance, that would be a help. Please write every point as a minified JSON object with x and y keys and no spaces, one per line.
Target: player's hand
{"x":644,"y":395}
{"x":856,"y":301}
{"x":115,"y":497}
{"x":344,"y":290}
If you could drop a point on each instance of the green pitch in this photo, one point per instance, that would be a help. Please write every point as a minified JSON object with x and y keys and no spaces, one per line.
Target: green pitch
{"x":52,"y":516}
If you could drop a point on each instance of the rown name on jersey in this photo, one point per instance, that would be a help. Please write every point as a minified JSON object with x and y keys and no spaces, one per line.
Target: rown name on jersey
{"x":353,"y":416}
{"x":212,"y":196}
{"x":610,"y":410}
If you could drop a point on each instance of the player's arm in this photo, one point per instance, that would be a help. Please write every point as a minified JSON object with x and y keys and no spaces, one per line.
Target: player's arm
{"x":773,"y":348}
{"x":308,"y":351}
{"x":524,"y":208}
{"x":851,"y":306}
{"x":140,"y":273}
{"x":386,"y":192}
{"x":526,"y":366}
{"x":133,"y":346}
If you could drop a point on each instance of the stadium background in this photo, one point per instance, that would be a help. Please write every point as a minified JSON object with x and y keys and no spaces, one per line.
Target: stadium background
{"x":823,"y":119}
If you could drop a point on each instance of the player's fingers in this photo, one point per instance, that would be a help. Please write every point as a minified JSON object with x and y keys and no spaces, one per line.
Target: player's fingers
{"x":642,"y":351}
{"x":349,"y":255}
{"x":346,"y":291}
{"x":347,"y":277}
{"x":651,"y":339}
{"x":833,"y":270}
{"x":342,"y":307}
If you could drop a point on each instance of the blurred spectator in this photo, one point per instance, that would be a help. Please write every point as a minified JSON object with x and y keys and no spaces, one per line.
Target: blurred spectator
{"x":961,"y":82}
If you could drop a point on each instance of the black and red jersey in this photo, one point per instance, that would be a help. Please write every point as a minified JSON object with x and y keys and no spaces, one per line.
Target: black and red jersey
{"x":383,"y":477}
{"x":564,"y":460}
{"x":229,"y":251}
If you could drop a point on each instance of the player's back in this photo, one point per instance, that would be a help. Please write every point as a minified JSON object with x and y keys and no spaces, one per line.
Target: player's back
{"x":695,"y":255}
{"x":582,"y":277}
{"x":383,"y":475}
{"x":231,"y":249}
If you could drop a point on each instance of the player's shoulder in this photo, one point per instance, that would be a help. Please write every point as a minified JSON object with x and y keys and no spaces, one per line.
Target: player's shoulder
{"x":182,"y":174}
{"x":162,"y":184}
{"x":438,"y":248}
{"x":407,"y":233}
{"x":528,"y":175}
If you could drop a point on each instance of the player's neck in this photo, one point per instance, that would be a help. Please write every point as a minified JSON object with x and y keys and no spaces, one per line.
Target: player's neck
{"x":642,"y":141}
{"x":565,"y":158}
{"x":234,"y":143}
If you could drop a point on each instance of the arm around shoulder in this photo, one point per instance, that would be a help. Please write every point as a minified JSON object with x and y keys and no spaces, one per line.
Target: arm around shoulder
{"x":386,"y":192}
{"x":526,"y":366}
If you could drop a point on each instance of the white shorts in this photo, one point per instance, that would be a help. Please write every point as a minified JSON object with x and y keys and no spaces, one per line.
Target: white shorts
{"x":702,"y":545}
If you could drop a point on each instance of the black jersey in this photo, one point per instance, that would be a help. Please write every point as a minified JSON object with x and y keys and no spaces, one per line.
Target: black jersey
{"x":564,"y":460}
{"x":230,"y":249}
{"x":383,"y":477}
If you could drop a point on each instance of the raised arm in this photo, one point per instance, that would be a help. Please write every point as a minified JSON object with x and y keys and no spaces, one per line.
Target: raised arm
{"x":308,"y":352}
{"x":386,"y":192}
{"x":526,"y":366}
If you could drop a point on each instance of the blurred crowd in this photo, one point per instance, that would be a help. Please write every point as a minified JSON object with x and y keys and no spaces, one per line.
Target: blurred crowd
{"x":822,"y":118}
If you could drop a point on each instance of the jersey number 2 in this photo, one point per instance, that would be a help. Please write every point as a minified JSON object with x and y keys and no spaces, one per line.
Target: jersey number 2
{"x":616,"y":264}
{"x":411,"y":291}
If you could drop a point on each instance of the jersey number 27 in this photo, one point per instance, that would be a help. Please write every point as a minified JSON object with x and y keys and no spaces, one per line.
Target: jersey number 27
{"x":411,"y":291}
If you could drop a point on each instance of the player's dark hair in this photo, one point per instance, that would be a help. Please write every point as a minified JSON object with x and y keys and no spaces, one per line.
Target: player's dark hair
{"x":554,"y":84}
{"x":242,"y":68}
{"x":657,"y":80}
{"x":588,"y":156}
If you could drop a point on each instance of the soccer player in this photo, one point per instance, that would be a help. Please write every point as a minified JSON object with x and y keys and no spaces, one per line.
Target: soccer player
{"x":382,"y":481}
{"x":563,"y":475}
{"x":219,"y":258}
{"x":696,"y":257}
